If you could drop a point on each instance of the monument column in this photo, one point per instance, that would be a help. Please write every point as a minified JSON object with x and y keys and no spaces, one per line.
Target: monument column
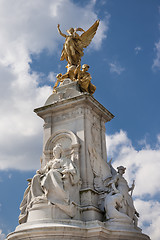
{"x":84,"y":116}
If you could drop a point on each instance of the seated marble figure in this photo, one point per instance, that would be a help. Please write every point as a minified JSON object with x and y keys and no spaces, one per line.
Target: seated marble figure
{"x":52,"y":184}
{"x":118,"y":202}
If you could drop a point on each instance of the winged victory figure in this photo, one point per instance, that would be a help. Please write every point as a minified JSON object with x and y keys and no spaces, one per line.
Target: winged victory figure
{"x":74,"y":44}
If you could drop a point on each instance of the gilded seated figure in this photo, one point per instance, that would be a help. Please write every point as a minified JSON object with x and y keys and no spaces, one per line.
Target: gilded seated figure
{"x":84,"y":79}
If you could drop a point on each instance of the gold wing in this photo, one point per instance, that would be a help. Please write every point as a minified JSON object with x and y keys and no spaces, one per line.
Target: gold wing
{"x":87,"y":36}
{"x":80,"y":29}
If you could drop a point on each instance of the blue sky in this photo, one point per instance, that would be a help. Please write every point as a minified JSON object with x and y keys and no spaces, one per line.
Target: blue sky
{"x":124,"y":60}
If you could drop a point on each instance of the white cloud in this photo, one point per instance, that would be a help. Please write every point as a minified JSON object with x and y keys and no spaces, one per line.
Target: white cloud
{"x":51,"y":77}
{"x":101,"y":32}
{"x":137,"y":49}
{"x":116,"y":68}
{"x":158,"y":138}
{"x":73,"y":15}
{"x":149,"y":217}
{"x":28,"y":28}
{"x":143,"y":166}
{"x":156,"y":61}
{"x":116,"y":141}
{"x":10,"y":176}
{"x":2,"y":235}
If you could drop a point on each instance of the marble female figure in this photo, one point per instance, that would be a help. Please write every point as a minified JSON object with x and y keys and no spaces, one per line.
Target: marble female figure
{"x":119,"y":185}
{"x":52,"y":184}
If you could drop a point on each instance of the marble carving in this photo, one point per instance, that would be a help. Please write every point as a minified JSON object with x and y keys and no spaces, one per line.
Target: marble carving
{"x":58,"y":182}
{"x":55,"y":182}
{"x":76,"y":194}
{"x":52,"y":184}
{"x":115,"y":199}
{"x":119,"y":199}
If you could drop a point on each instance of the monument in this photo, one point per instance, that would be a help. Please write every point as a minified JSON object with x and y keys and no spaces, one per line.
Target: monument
{"x":76,"y":193}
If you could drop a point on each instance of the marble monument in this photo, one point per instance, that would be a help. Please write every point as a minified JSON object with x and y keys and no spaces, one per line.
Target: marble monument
{"x":76,"y":193}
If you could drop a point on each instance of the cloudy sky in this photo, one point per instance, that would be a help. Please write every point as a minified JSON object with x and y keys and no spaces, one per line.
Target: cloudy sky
{"x":124,"y":60}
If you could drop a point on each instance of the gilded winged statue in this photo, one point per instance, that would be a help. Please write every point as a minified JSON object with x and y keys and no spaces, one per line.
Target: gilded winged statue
{"x":75,"y":43}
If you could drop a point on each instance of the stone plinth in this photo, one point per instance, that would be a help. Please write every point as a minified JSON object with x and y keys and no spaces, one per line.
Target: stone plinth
{"x":50,"y":212}
{"x":68,"y":197}
{"x":72,"y":229}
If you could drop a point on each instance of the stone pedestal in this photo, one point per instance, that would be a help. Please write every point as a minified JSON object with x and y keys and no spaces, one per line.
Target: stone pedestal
{"x":72,"y":229}
{"x":75,"y":121}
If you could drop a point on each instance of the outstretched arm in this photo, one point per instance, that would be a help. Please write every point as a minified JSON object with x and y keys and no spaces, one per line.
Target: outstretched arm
{"x":62,"y":34}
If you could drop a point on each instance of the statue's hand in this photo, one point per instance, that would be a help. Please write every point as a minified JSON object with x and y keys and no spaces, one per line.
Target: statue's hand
{"x":133,"y":185}
{"x":59,"y":76}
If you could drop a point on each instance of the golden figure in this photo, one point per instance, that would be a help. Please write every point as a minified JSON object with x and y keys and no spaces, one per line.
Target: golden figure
{"x":59,"y":79}
{"x":69,"y":74}
{"x":72,"y":53}
{"x":76,"y":74}
{"x":74,"y":44}
{"x":84,"y":79}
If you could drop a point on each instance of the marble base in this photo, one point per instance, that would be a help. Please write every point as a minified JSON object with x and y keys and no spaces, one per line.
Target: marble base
{"x":44,"y":211}
{"x":74,"y":229}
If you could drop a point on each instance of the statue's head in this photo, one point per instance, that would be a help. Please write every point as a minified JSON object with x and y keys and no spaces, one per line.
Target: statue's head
{"x":70,"y":31}
{"x":57,"y":151}
{"x":85,"y":66}
{"x":121,"y":169}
